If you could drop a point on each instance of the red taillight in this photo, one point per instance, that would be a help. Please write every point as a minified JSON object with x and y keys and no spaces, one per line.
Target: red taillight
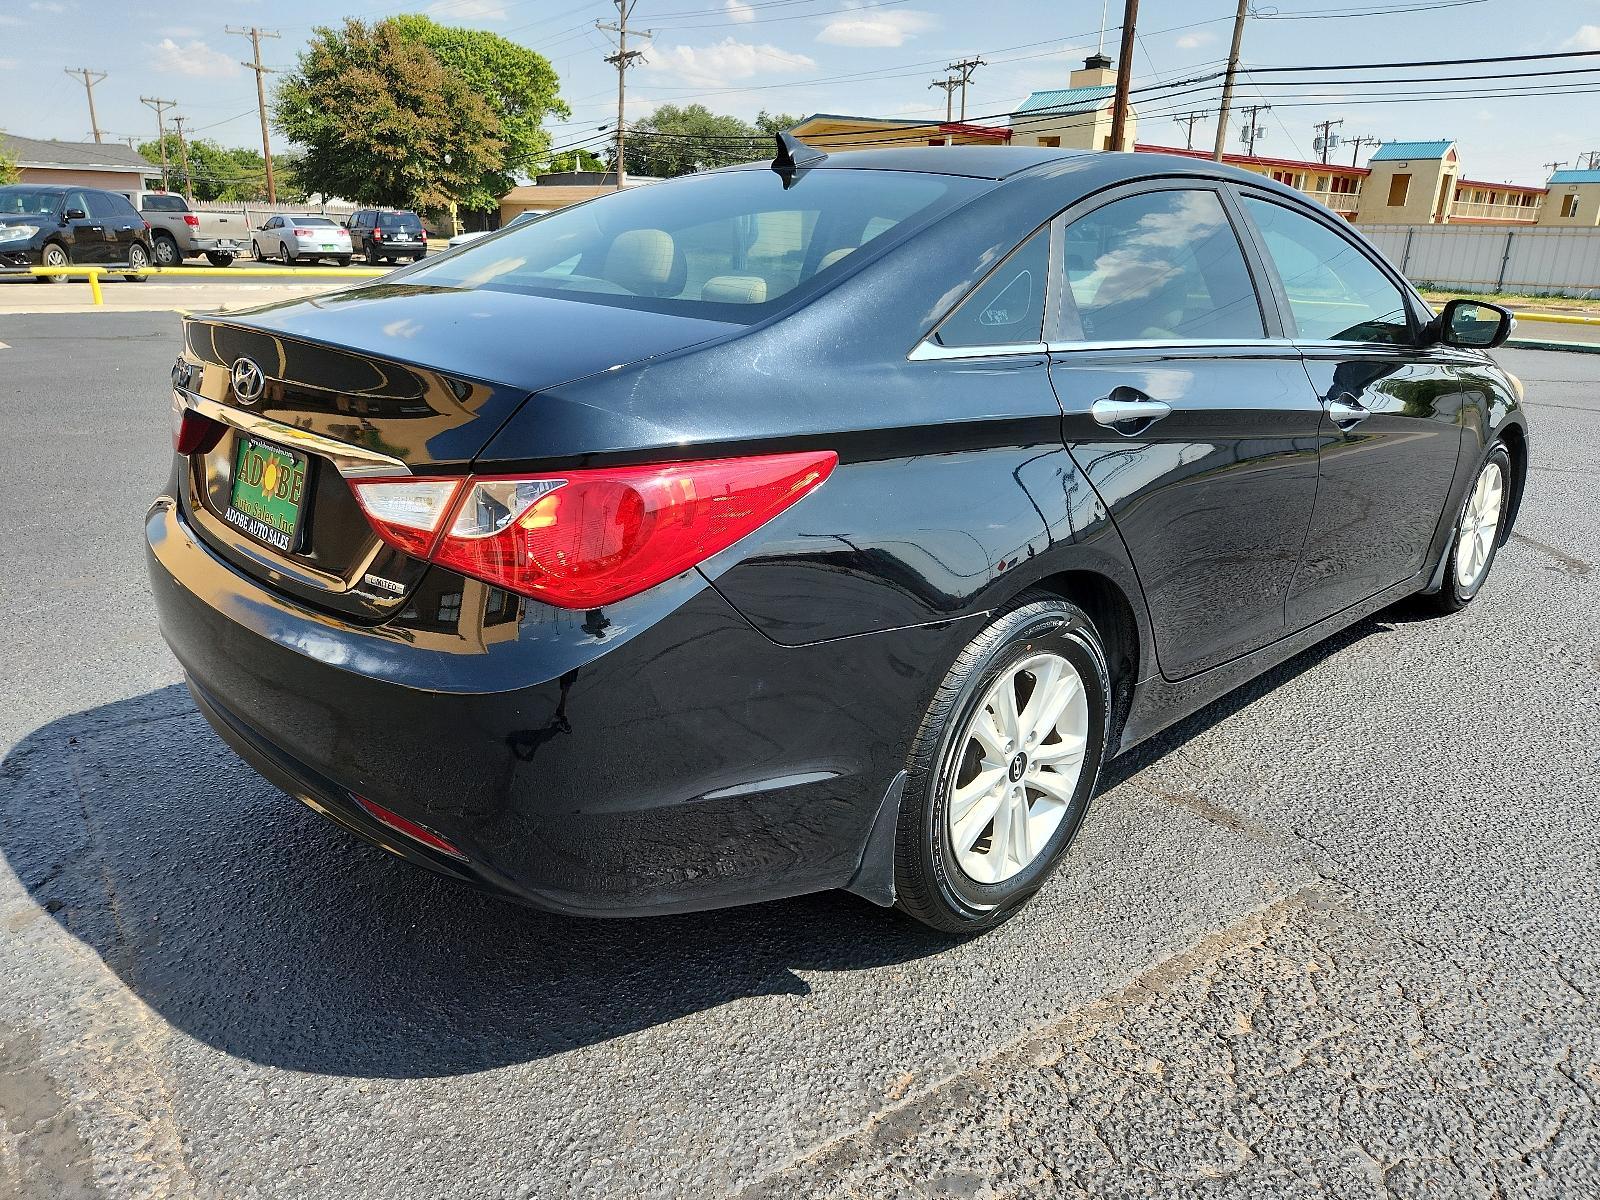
{"x":190,"y":219}
{"x":305,"y":233}
{"x":581,"y":539}
{"x":193,"y":433}
{"x":410,"y":828}
{"x":377,"y":235}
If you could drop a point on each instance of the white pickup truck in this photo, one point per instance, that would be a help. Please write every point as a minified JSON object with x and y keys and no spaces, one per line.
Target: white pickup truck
{"x":177,"y":233}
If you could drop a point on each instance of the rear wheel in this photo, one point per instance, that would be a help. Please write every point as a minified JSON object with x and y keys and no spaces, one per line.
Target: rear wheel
{"x":290,"y":257}
{"x":138,"y":258}
{"x":1003,"y":767}
{"x":219,"y":260}
{"x":55,"y":255}
{"x":255,"y":251}
{"x":372,"y":256}
{"x":343,"y":260}
{"x":1478,"y":534}
{"x":165,"y":252}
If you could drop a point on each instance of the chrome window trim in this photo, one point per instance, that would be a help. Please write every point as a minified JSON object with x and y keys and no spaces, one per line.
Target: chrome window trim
{"x":1163,"y":344}
{"x":930,"y":351}
{"x":352,"y":462}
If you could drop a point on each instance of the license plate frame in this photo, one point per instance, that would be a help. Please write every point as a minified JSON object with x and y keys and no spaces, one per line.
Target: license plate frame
{"x":275,"y":515}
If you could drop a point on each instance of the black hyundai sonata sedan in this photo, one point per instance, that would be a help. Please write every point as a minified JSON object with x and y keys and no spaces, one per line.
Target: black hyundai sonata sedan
{"x":826,"y":523}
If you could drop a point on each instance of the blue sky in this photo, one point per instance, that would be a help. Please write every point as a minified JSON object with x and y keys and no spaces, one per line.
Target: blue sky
{"x":739,"y":56}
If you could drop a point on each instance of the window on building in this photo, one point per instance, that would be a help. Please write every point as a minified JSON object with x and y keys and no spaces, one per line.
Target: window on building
{"x":1053,"y":142}
{"x":1399,"y":185}
{"x":1007,"y":307}
{"x":1164,"y":266}
{"x":1569,"y":205}
{"x":1336,"y":293}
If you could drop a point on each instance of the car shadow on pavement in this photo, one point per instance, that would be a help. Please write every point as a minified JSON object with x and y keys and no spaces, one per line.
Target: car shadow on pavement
{"x":254,"y":925}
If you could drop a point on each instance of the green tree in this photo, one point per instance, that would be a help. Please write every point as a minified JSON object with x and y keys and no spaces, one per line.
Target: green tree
{"x":382,"y":121}
{"x":676,"y":141}
{"x":519,"y":85}
{"x":8,"y":167}
{"x":577,"y":160}
{"x":216,"y":173}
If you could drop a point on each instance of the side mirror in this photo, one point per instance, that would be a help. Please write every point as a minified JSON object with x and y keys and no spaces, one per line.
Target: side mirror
{"x":76,"y":214}
{"x":1475,"y":324}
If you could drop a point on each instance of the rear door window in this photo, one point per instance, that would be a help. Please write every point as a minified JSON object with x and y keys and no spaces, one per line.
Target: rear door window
{"x":1161,"y":266}
{"x":1336,"y":293}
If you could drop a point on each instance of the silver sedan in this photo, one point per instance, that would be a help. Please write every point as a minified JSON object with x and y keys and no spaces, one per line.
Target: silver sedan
{"x":302,"y":239}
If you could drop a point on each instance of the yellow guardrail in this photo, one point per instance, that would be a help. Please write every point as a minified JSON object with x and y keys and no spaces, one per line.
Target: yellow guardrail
{"x":93,"y":274}
{"x":1556,"y":318}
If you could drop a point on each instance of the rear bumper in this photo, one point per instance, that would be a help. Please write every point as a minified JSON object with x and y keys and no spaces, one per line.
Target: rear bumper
{"x":659,"y":756}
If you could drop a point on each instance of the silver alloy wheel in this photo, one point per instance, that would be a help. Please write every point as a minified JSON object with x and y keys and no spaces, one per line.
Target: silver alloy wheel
{"x":1480,"y":524}
{"x":55,"y":256}
{"x":138,"y":258}
{"x":1017,"y":769}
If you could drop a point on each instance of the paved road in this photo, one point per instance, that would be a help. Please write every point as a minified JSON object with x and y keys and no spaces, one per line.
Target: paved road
{"x":1334,"y":936}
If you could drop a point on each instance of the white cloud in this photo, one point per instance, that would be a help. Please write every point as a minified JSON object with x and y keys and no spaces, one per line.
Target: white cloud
{"x":468,"y":10}
{"x":738,"y":11}
{"x":48,"y":6}
{"x":1193,"y":41}
{"x":8,"y":64}
{"x":875,"y":28}
{"x":194,"y":58}
{"x":1587,"y":38}
{"x":725,"y":61}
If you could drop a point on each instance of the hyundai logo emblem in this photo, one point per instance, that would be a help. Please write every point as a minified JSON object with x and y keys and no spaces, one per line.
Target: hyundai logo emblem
{"x":248,"y":381}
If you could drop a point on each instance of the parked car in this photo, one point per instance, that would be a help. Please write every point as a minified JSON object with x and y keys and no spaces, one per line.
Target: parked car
{"x":822,"y":525}
{"x":56,"y":226}
{"x":522,"y":218}
{"x":177,"y":232}
{"x":301,"y":239}
{"x":387,"y":235}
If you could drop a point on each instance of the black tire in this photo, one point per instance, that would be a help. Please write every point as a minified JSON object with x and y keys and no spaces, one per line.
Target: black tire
{"x":1452,"y":595}
{"x":343,"y":260}
{"x":929,"y":883}
{"x":219,"y":260}
{"x":291,"y":258}
{"x":164,"y":250}
{"x":255,"y":251}
{"x":54,"y":255}
{"x":372,"y":256}
{"x":138,"y":256}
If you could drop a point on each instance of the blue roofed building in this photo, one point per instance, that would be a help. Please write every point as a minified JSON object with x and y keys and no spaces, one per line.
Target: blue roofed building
{"x":1076,"y":117}
{"x":1573,"y":199}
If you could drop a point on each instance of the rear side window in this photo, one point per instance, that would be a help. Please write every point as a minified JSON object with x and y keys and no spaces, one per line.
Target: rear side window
{"x":1007,"y":307}
{"x":163,"y":204}
{"x":1163,"y":266}
{"x":723,"y":245}
{"x":1336,"y":293}
{"x":115,"y":204}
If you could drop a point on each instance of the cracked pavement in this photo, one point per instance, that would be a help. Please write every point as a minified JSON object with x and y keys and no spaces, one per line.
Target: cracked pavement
{"x":1334,"y":936}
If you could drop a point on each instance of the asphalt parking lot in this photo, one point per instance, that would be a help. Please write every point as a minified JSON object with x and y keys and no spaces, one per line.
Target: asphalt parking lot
{"x":1336,"y":935}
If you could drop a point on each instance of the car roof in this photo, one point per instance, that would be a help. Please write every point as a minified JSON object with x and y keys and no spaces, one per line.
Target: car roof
{"x":975,"y":162}
{"x":49,"y":187}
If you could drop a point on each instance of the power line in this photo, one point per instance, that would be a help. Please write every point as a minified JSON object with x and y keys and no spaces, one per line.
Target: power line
{"x":255,"y":35}
{"x":1339,"y":14}
{"x":90,"y":78}
{"x":622,"y":60}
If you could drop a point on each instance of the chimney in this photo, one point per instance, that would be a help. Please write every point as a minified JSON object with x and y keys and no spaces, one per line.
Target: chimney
{"x":1096,"y":72}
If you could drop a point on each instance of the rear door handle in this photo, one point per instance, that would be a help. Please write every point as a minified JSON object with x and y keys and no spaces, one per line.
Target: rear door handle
{"x":1129,"y":416}
{"x":1346,"y":411}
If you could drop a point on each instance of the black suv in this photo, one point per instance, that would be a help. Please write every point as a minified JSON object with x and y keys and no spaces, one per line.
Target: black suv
{"x":54,"y":226}
{"x":386,"y":235}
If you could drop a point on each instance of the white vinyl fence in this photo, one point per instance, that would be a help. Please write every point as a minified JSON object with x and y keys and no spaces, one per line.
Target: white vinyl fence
{"x":1494,"y":258}
{"x":256,"y":211}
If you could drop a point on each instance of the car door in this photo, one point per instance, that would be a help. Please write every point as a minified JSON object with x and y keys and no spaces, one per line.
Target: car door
{"x":123,"y":225}
{"x":1390,"y":403}
{"x":1188,"y":411}
{"x":86,"y":232}
{"x":358,"y":232}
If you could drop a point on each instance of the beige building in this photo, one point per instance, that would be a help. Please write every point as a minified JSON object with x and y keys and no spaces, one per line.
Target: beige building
{"x":1409,"y":183}
{"x":1076,"y":117}
{"x":834,"y":132}
{"x":110,"y":165}
{"x":559,"y":189}
{"x":1573,"y":198}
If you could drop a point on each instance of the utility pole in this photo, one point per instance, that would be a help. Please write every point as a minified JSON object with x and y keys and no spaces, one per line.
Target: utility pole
{"x":183,"y":149}
{"x":1251,"y":112}
{"x":1119,"y":108}
{"x":966,"y":66}
{"x":1227,"y":80}
{"x":1188,"y":121}
{"x":1552,"y":168}
{"x":1359,"y":141}
{"x":948,"y":87}
{"x":255,"y":35}
{"x":90,"y":78}
{"x":160,"y":107}
{"x":622,"y":60}
{"x":1327,"y":133}
{"x":1589,"y":160}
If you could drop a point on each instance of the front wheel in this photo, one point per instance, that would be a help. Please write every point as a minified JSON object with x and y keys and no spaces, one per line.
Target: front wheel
{"x":1003,"y":767}
{"x":55,"y":255}
{"x":138,"y":259}
{"x":1478,"y":534}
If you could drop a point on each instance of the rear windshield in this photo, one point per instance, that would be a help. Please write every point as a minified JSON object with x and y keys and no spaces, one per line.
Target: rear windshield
{"x":727,"y":245}
{"x":163,"y":204}
{"x":28,"y":201}
{"x":399,"y":221}
{"x":313,"y":221}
